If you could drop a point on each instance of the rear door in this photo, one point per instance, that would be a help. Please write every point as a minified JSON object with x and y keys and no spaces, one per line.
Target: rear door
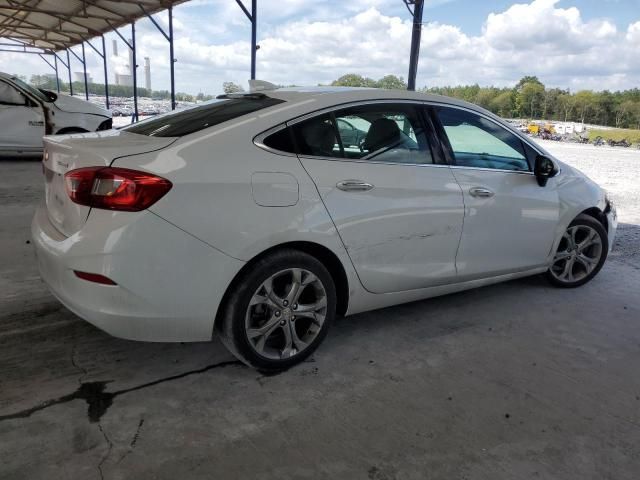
{"x":397,"y":207}
{"x":510,"y":221}
{"x":22,"y":121}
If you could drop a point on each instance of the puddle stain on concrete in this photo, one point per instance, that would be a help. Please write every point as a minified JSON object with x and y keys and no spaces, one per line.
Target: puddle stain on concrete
{"x":99,"y":401}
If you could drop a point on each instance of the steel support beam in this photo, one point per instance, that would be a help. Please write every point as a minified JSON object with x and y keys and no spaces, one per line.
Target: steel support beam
{"x":69,"y":70}
{"x":84,"y":68}
{"x":55,"y":63}
{"x":46,"y":61}
{"x":103,"y":55}
{"x":415,"y":42}
{"x":54,"y":66}
{"x":134,"y":69}
{"x":20,"y":51}
{"x":169,"y":38}
{"x":106,"y":77}
{"x":132,"y":46}
{"x":253,"y":18}
{"x":172,"y":60}
{"x":58,"y":59}
{"x":254,"y":29}
{"x":84,"y":71}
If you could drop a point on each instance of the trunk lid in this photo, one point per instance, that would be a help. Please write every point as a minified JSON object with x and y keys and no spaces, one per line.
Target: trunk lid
{"x":64,"y":153}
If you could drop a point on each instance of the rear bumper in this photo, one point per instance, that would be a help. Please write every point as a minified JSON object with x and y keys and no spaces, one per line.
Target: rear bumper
{"x":169,"y":284}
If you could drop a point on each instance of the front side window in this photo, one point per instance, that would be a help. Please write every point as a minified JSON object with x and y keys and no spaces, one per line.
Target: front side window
{"x":376,"y":132}
{"x":28,"y":88}
{"x":480,"y":143}
{"x":9,"y":95}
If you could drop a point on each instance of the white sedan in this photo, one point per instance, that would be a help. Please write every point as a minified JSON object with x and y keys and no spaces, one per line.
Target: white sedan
{"x":27,"y":114}
{"x":251,"y":217}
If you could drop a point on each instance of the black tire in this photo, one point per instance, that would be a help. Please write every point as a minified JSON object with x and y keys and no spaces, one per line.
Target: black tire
{"x":595,"y":225}
{"x":232,"y":328}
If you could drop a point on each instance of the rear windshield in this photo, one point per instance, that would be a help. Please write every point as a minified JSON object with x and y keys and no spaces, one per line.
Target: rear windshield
{"x":184,"y":122}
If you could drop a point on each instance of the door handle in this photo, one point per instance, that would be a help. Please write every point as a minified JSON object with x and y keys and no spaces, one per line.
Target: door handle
{"x":354,"y":186}
{"x":481,"y":192}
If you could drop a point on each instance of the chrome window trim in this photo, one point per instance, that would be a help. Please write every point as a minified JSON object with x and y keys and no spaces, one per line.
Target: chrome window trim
{"x":341,"y":106}
{"x":259,"y":139}
{"x":501,"y":170}
{"x":377,"y":162}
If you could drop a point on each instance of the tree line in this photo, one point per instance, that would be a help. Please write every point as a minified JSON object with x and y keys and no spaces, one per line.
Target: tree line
{"x":530,"y":99}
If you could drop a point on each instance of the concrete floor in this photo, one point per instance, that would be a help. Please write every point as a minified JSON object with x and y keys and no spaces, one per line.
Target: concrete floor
{"x":513,"y":381}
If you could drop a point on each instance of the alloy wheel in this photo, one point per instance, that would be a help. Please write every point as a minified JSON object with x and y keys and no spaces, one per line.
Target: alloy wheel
{"x":578,"y":254}
{"x":286,"y":313}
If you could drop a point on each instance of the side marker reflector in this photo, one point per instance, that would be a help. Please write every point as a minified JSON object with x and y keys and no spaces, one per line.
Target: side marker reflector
{"x":94,"y":277}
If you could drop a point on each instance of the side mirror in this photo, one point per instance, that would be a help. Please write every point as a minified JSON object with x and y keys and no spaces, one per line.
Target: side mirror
{"x":544,"y":169}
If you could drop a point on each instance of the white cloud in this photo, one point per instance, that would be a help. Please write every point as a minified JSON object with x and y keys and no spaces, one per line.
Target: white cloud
{"x":304,"y":43}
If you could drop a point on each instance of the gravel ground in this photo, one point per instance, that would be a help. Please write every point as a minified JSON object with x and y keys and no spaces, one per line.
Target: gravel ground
{"x":513,"y":381}
{"x":618,"y":171}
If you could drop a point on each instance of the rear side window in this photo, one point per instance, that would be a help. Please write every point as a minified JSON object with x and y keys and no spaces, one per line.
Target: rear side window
{"x":377,"y":132}
{"x":184,"y":122}
{"x":281,"y":140}
{"x":317,"y":137}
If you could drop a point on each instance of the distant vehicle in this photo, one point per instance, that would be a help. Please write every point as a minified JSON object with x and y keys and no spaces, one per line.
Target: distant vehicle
{"x":619,"y":143}
{"x":27,"y":114}
{"x":599,"y":141}
{"x":251,"y":217}
{"x":350,"y":134}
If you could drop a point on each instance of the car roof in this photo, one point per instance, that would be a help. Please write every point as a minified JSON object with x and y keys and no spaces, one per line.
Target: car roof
{"x":330,"y":95}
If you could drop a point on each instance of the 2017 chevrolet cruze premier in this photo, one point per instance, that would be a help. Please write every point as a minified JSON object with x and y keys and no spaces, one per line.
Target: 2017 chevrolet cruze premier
{"x":260,"y":216}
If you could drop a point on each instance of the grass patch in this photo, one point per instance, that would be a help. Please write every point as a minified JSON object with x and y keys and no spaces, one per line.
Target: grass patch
{"x":616,"y":134}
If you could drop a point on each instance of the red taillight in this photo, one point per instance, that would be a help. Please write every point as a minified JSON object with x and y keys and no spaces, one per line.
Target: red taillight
{"x":94,"y":277}
{"x":115,"y":188}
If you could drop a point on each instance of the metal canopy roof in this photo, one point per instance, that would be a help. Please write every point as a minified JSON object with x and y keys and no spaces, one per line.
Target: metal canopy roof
{"x":60,"y":24}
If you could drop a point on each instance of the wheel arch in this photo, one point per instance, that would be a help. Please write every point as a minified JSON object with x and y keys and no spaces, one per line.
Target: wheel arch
{"x":597,"y":214}
{"x":328,"y":258}
{"x":67,"y":130}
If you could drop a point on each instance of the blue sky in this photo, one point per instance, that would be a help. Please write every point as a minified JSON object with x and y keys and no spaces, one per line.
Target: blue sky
{"x":470,"y":15}
{"x":573,"y":44}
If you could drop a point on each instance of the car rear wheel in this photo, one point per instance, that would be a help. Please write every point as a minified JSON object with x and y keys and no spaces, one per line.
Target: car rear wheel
{"x":279,"y":311}
{"x":581,"y":253}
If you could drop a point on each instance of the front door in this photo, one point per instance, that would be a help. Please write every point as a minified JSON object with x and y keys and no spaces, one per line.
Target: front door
{"x":22,"y":121}
{"x":510,"y":221}
{"x":398,"y":212}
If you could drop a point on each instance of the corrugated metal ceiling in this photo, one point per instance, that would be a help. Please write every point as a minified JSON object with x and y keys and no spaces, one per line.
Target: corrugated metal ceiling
{"x":60,"y":24}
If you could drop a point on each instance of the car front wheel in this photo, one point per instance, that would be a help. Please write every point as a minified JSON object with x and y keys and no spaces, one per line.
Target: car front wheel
{"x":279,"y":311}
{"x":581,"y":253}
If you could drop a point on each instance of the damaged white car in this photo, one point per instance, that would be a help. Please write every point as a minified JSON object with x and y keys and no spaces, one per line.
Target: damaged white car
{"x":261,"y":216}
{"x":27,"y":114}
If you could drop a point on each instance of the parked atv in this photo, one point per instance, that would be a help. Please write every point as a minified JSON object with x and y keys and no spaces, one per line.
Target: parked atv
{"x":620,"y":143}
